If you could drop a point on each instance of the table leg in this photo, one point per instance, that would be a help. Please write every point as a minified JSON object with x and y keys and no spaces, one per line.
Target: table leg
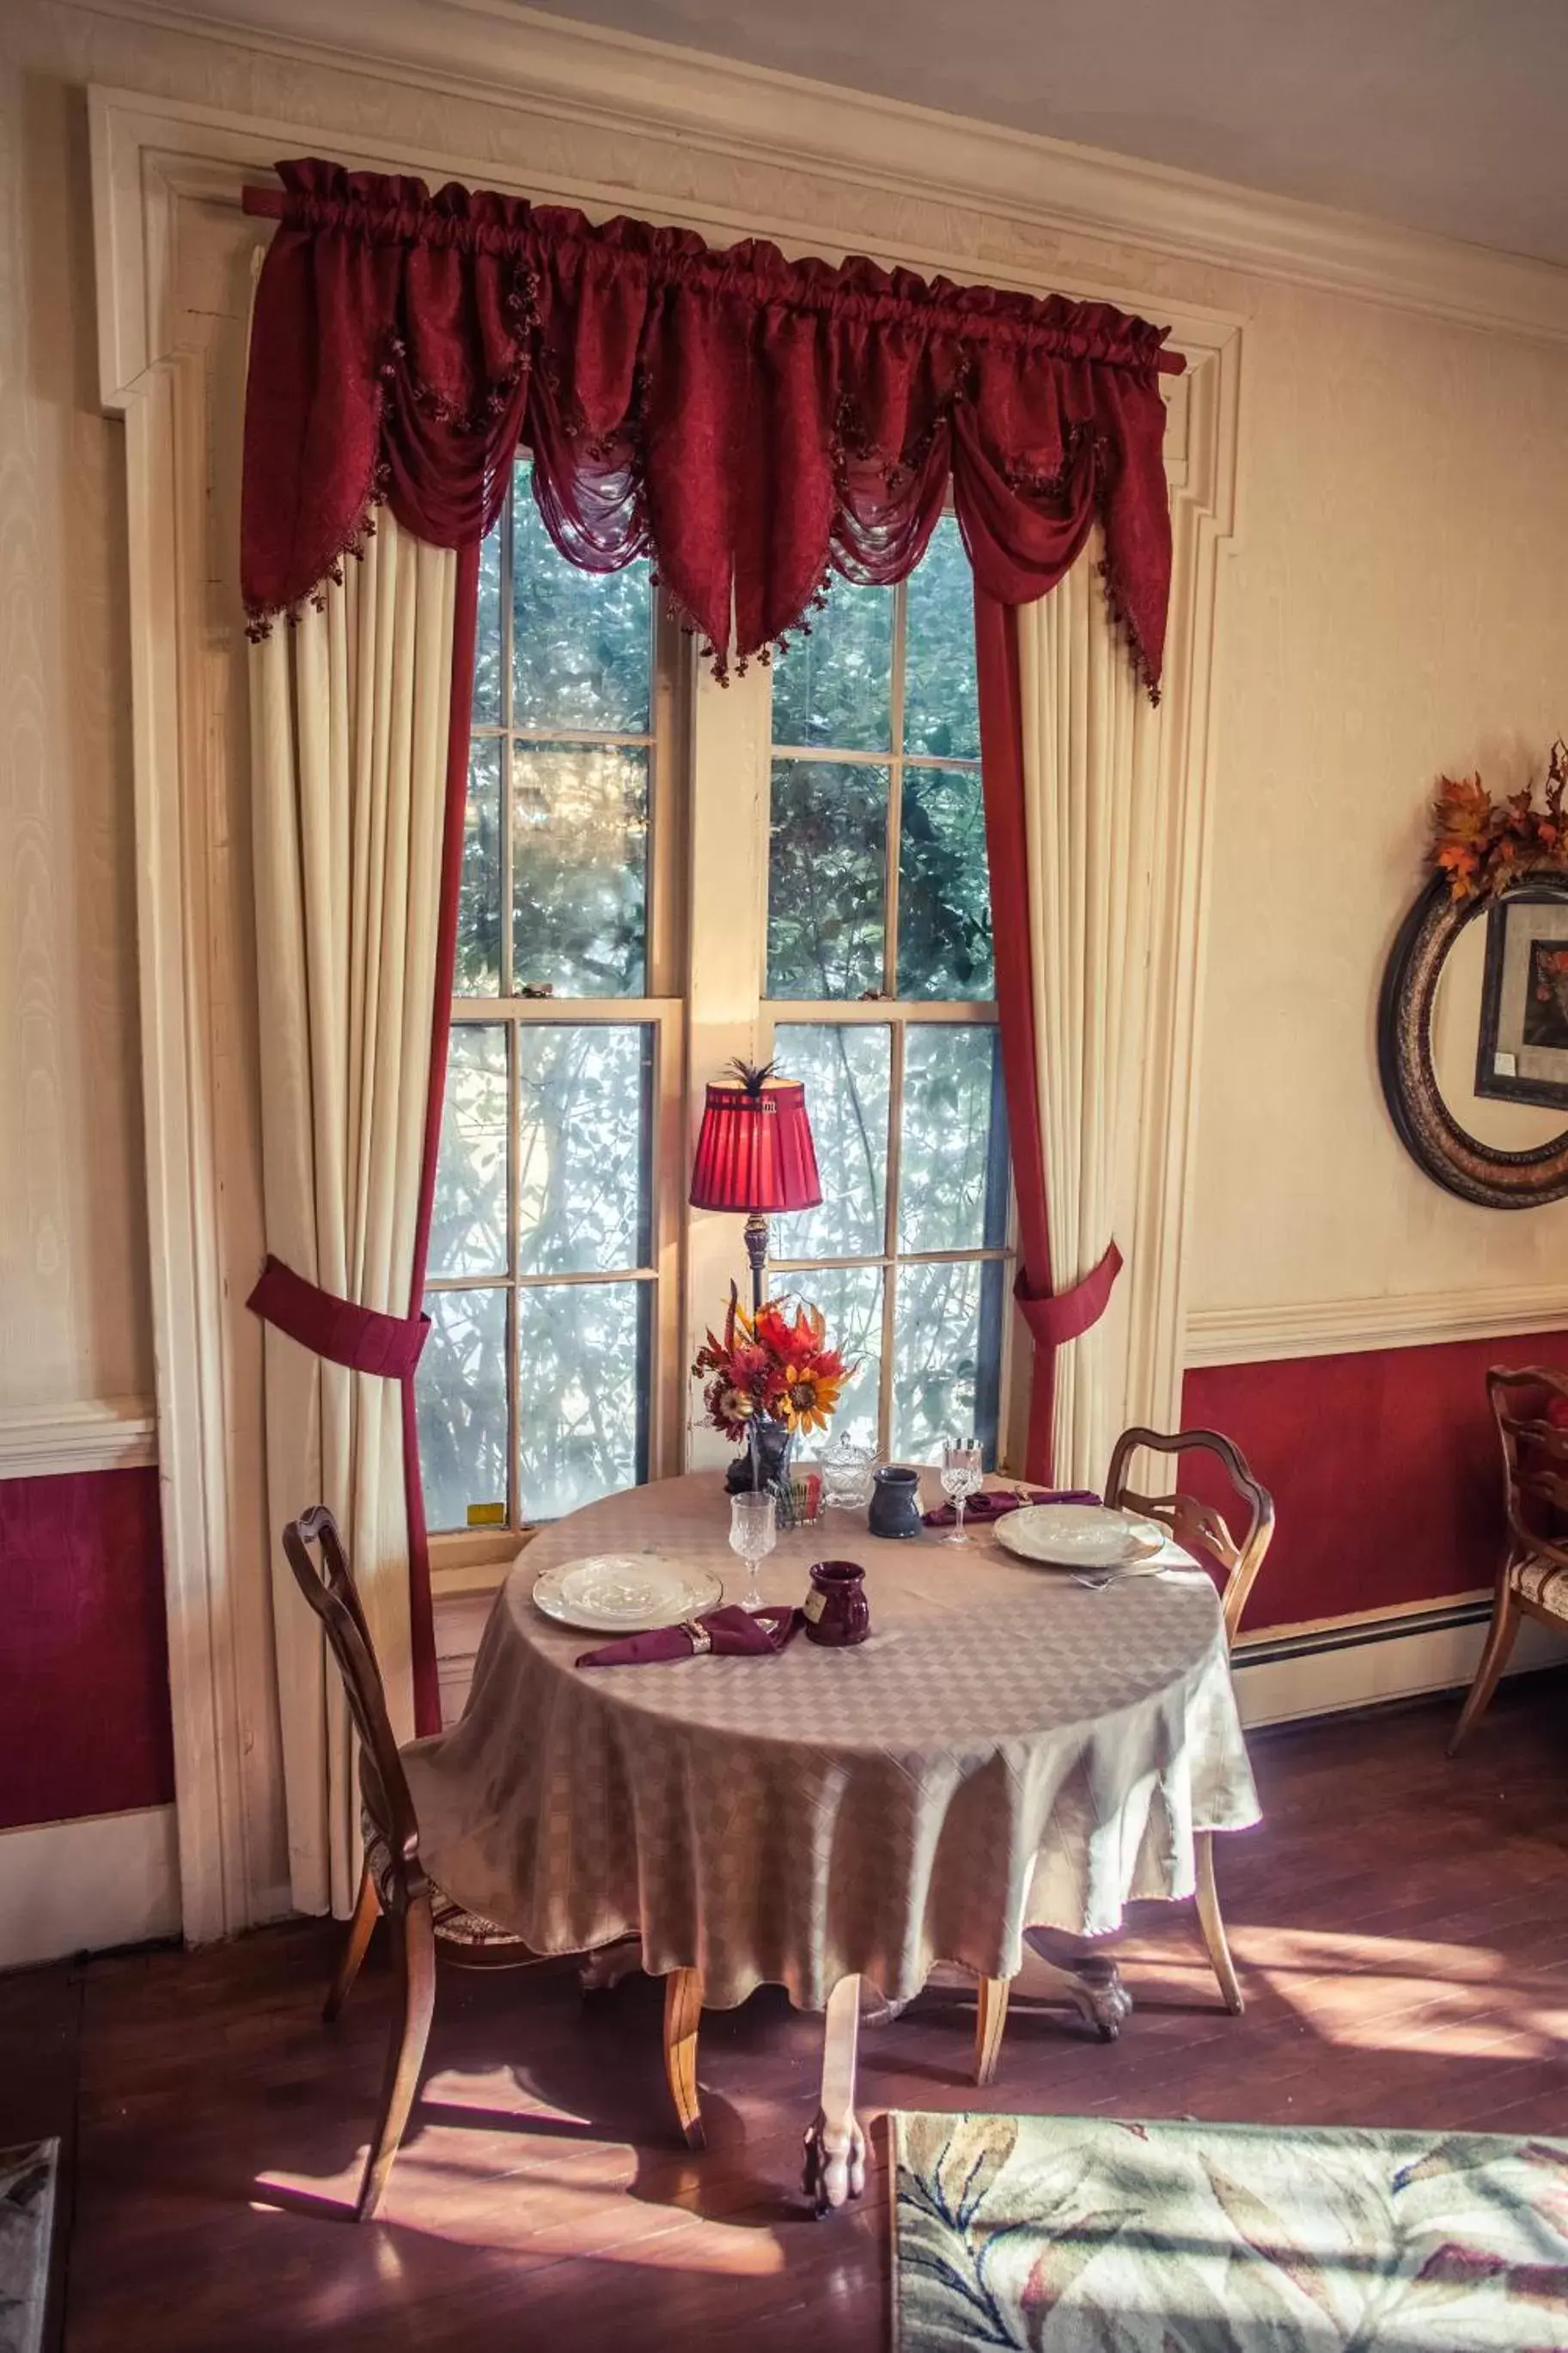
{"x":1090,"y":1981}
{"x":836,"y":2146}
{"x":600,"y":1970}
{"x":683,"y":2021}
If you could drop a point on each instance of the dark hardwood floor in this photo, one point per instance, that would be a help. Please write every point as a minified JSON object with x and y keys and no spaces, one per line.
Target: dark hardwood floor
{"x":1401,"y":1923}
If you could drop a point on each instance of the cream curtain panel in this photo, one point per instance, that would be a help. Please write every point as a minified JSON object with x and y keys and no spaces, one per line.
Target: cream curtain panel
{"x":1090,"y":755}
{"x":350,"y":713}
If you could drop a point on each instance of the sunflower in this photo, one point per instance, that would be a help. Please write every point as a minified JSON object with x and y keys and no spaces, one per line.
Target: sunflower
{"x":809,"y":1392}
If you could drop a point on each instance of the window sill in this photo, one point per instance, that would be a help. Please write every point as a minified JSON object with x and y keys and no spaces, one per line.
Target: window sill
{"x":473,"y":1563}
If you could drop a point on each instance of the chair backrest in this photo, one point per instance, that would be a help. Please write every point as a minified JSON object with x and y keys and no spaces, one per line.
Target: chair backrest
{"x":1198,"y":1527}
{"x":1534,"y":1455}
{"x":315,"y":1553}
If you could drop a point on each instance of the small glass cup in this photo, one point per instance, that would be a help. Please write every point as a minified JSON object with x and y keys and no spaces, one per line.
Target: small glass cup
{"x":961,"y":1471}
{"x":753,"y":1532}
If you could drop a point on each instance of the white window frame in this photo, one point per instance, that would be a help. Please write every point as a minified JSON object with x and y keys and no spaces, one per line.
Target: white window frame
{"x":710,"y":787}
{"x":662,"y":1009}
{"x":898,"y":1014}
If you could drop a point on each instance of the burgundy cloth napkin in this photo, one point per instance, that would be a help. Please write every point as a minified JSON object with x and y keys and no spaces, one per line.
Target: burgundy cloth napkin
{"x":732,"y":1632}
{"x":993,"y":1503}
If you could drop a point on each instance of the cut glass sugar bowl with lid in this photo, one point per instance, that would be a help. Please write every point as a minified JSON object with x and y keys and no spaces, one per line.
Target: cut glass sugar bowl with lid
{"x":846,"y":1474}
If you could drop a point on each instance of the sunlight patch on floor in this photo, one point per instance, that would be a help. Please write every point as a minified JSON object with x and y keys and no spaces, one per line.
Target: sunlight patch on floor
{"x":470,"y":2199}
{"x":1401,"y":1993}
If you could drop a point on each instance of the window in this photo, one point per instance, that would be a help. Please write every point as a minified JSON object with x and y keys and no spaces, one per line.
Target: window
{"x":840,"y":919}
{"x":880,"y":994}
{"x":545,"y":1380}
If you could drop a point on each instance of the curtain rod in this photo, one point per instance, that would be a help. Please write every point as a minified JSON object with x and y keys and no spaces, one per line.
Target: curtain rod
{"x":267,"y":203}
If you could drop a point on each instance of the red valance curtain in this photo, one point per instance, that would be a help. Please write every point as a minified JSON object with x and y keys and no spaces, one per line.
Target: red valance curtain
{"x":749,"y":422}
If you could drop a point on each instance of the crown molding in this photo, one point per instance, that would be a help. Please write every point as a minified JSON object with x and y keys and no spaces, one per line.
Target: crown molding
{"x":1335,"y":1327}
{"x":501,"y":54}
{"x":99,"y":1434}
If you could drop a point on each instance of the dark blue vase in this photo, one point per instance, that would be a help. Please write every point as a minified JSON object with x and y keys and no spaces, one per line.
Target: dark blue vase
{"x":763,"y":1460}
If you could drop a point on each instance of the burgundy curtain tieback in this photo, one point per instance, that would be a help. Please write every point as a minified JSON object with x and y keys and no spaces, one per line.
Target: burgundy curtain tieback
{"x":1054,"y":1317}
{"x":361,"y":1338}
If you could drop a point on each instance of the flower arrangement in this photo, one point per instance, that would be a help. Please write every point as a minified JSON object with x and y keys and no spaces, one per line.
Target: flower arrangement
{"x":1483,"y":846}
{"x":774,"y":1364}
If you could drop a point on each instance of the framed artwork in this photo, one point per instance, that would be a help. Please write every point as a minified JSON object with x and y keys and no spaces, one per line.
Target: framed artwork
{"x":1522,"y":1050}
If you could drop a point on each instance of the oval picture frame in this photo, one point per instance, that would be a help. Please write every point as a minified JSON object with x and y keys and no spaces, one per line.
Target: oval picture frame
{"x":1491,"y":1177}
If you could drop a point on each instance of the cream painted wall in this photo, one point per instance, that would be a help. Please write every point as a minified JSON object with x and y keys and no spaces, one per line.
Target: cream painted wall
{"x":73,"y":1291}
{"x":1395,"y":607}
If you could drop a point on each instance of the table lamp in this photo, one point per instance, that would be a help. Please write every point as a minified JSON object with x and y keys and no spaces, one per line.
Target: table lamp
{"x":754,"y":1153}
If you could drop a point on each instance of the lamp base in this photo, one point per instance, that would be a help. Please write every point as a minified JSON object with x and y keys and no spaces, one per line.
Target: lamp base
{"x":756,"y":1240}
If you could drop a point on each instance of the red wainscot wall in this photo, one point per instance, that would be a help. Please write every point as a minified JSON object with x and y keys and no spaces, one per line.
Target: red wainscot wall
{"x":84,"y":1669}
{"x":1383,"y":1466}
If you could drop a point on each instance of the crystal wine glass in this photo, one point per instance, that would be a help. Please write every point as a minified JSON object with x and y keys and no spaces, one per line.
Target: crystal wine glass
{"x":753,"y":1532}
{"x":961,"y":1475}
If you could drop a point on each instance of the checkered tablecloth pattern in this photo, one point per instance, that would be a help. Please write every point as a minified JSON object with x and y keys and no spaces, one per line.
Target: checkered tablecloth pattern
{"x":1007,"y":1750}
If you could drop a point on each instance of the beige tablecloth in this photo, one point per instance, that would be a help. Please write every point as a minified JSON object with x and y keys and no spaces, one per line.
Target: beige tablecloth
{"x":1009,"y":1749}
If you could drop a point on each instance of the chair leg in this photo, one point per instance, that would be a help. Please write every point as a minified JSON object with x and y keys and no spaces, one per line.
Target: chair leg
{"x":682,"y":2018}
{"x":368,"y":1912}
{"x":415,"y":1945}
{"x":990,"y":2020}
{"x":1214,"y":1926}
{"x":1494,"y":1658}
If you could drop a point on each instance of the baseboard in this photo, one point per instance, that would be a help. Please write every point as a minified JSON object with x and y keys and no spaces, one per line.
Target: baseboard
{"x":75,"y":1887}
{"x":1299,"y":1671}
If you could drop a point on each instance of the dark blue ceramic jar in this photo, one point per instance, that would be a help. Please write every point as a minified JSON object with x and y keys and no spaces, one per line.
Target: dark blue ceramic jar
{"x":896,"y":1505}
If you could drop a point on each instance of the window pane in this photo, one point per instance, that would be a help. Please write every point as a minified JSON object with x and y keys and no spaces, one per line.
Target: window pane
{"x":478,"y":969}
{"x":942,"y":710}
{"x":826,"y":879}
{"x":844,"y":1068}
{"x":582,"y":641}
{"x":489,"y":644}
{"x":944,"y":1355}
{"x":584,"y":1111}
{"x":851,"y":1297}
{"x":460,"y":1391}
{"x":583,"y":1378}
{"x":945,"y":887}
{"x":468,"y":1223}
{"x":952,"y":1186}
{"x":580,"y":869}
{"x":834,"y":687}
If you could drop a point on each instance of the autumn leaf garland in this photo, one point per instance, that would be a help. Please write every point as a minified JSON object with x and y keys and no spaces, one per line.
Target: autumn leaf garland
{"x":1485,"y":845}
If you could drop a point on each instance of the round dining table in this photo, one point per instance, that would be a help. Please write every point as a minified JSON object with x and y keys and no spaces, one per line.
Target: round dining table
{"x":1011,"y":1748}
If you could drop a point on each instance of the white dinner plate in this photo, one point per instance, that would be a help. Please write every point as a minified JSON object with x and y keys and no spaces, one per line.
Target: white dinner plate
{"x":1078,"y":1536}
{"x":626,"y":1593}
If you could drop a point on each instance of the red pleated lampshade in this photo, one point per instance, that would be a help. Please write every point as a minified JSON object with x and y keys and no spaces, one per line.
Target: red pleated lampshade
{"x":756,"y":1151}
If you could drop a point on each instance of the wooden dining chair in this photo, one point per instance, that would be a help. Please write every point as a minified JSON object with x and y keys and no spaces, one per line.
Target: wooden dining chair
{"x":1204,"y":1532}
{"x":395,"y":1884}
{"x":1532,"y":1573}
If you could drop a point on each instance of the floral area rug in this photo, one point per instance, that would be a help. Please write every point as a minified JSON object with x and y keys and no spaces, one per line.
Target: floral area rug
{"x":1077,"y":2234}
{"x":26,"y":2214}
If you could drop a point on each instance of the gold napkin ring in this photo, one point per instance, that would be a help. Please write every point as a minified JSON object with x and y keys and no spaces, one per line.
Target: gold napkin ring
{"x":702,"y":1640}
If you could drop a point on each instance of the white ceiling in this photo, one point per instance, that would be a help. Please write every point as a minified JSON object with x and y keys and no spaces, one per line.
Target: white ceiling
{"x":1446,"y":115}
